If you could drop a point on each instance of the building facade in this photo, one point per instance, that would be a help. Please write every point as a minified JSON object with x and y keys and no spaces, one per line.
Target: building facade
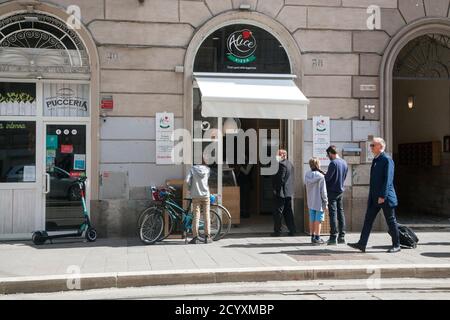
{"x":129,"y":60}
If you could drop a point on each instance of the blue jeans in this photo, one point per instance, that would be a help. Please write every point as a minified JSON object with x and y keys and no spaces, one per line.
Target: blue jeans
{"x":337,"y":216}
{"x":389,"y":215}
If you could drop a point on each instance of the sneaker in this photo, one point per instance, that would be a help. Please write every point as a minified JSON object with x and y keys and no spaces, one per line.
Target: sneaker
{"x":318,"y":241}
{"x":208,"y":239}
{"x":194,"y":240}
{"x":312,"y":238}
{"x":394,"y":250}
{"x":356,"y":245}
{"x":341,"y":240}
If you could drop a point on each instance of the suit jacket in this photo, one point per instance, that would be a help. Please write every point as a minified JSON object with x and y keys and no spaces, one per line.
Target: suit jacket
{"x":382,"y":181}
{"x":283,"y":180}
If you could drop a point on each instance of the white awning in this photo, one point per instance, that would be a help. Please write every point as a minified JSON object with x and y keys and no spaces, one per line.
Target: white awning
{"x":255,"y":96}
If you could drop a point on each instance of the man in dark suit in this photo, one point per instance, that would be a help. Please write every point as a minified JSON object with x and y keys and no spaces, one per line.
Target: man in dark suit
{"x":283,"y":190}
{"x":381,"y":196}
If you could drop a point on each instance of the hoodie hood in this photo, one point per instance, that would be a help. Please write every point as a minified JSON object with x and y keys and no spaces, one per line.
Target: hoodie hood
{"x":313,"y":177}
{"x":200,"y":171}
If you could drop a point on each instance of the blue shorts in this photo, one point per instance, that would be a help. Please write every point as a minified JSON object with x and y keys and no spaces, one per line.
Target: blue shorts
{"x":315,"y":215}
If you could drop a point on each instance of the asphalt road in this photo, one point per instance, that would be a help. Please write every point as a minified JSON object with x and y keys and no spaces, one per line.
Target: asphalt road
{"x":389,"y":289}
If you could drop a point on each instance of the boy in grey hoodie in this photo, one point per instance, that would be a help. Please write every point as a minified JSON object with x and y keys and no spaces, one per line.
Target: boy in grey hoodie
{"x":197,"y":182}
{"x":317,"y":199}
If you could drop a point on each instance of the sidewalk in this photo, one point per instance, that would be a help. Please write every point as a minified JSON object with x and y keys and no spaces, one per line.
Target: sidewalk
{"x":126,"y":262}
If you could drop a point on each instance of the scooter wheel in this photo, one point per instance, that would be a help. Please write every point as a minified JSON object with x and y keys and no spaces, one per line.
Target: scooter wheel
{"x":38,"y":238}
{"x":91,"y":235}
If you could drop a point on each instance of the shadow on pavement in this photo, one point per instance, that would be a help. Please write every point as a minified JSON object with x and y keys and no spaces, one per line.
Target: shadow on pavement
{"x":436,"y":254}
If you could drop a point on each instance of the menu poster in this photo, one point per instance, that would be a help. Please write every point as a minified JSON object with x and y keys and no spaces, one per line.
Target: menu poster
{"x":164,"y":141}
{"x":321,"y":139}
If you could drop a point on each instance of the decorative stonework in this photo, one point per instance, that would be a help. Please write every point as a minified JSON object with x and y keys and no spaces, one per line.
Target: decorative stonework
{"x":425,"y":57}
{"x":40,"y":43}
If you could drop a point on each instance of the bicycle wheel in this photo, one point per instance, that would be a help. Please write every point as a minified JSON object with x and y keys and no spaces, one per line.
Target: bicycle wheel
{"x":152,"y":227}
{"x":225,"y":216}
{"x":149,"y":210}
{"x":216,"y":226}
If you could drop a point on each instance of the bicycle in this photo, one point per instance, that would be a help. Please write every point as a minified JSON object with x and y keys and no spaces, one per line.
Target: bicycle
{"x":152,"y":222}
{"x":226,"y":218}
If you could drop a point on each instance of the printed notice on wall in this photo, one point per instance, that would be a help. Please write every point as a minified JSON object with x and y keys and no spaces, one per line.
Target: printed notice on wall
{"x":321,"y":139}
{"x":164,"y":142}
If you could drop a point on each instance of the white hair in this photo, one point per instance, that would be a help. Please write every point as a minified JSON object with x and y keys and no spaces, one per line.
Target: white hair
{"x":380,"y":141}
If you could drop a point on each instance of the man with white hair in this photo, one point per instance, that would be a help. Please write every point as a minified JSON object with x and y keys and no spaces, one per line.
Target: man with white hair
{"x":381,"y":196}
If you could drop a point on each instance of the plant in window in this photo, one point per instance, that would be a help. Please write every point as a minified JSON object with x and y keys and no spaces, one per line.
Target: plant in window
{"x":17,"y":103}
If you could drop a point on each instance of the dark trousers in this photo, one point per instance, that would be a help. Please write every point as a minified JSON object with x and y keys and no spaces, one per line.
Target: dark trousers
{"x":389,"y":215}
{"x":244,"y":196}
{"x":337,"y":216}
{"x":283,"y":208}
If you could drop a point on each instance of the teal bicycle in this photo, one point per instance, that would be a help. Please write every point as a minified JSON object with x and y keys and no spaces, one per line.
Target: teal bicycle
{"x":158,"y":222}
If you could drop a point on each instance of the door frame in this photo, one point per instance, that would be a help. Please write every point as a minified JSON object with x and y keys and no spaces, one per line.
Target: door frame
{"x":41,"y":123}
{"x":44,"y":161}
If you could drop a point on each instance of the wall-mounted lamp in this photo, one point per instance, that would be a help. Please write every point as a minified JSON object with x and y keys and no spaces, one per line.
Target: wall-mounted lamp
{"x":411,"y":101}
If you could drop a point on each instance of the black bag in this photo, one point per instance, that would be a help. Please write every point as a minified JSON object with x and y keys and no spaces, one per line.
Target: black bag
{"x":408,"y":238}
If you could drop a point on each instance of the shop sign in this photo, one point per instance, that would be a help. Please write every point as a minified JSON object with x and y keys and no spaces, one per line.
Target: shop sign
{"x":241,"y":47}
{"x":70,"y":100}
{"x":164,"y":141}
{"x":321,"y":139}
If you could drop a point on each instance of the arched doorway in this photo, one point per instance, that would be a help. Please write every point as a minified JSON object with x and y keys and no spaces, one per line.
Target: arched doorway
{"x":421,"y":128}
{"x":276,"y":56}
{"x":45,"y":118}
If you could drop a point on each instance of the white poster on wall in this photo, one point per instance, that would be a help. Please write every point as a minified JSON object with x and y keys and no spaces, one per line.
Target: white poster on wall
{"x":321,"y":139}
{"x":164,"y":143}
{"x":66,"y":100}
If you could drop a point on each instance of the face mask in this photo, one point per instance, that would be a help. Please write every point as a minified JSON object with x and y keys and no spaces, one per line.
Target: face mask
{"x":278,"y":158}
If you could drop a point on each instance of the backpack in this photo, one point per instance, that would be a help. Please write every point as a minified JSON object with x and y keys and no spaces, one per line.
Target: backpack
{"x":408,"y":238}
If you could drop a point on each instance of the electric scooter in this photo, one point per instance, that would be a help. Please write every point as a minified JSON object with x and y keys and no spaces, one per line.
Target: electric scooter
{"x":85,"y":230}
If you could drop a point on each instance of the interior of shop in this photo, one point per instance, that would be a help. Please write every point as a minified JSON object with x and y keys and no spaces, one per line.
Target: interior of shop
{"x":255,"y":189}
{"x":421,"y":129}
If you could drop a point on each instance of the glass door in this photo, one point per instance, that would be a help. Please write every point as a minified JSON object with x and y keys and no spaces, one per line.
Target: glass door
{"x":65,"y":154}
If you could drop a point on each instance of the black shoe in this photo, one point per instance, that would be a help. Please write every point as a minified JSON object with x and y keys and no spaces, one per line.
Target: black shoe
{"x":194,"y":240}
{"x":357,"y":246}
{"x":208,"y":239}
{"x":332,"y":241}
{"x":312,"y":239}
{"x":291,"y":234}
{"x":341,"y":240}
{"x":394,"y":250}
{"x":275,"y":234}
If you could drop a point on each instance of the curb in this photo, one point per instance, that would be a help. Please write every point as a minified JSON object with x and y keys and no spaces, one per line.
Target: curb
{"x":41,"y":284}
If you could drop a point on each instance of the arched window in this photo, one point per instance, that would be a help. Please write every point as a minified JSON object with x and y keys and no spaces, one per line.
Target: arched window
{"x":427,"y":56}
{"x":36,"y":44}
{"x":242,"y":48}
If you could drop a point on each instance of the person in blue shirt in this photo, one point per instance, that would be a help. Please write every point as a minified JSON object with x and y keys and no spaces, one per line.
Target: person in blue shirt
{"x":335,"y":177}
{"x":381,"y":196}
